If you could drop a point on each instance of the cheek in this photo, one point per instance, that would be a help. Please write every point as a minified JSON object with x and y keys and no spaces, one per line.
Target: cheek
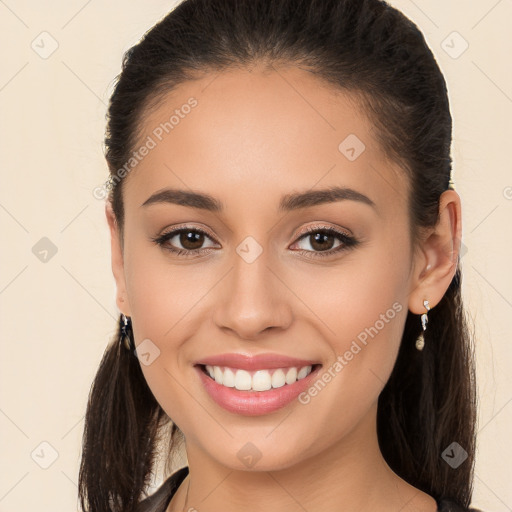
{"x":366,"y":317}
{"x":360,"y":308}
{"x":362,"y":322}
{"x":363,"y":297}
{"x":164,"y":301}
{"x":162,"y":295}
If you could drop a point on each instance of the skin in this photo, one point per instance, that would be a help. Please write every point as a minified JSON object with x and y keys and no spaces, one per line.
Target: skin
{"x":253,"y":137}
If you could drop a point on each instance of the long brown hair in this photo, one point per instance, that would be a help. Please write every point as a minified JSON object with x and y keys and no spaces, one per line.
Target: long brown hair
{"x":362,"y":46}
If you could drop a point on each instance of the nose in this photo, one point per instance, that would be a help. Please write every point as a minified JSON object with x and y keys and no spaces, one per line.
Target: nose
{"x":252,"y":300}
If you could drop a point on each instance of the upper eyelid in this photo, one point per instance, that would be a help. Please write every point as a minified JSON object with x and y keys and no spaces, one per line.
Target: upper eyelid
{"x":176,"y":230}
{"x":313,"y":229}
{"x":179,"y":228}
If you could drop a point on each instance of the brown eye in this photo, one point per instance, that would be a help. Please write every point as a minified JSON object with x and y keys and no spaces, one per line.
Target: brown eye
{"x":191,"y":240}
{"x":184,"y":241}
{"x":322,"y":242}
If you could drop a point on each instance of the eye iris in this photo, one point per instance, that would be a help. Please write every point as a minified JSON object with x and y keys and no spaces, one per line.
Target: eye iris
{"x":191,"y":237}
{"x":320,"y":239}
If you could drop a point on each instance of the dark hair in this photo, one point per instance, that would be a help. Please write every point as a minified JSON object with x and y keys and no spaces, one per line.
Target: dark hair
{"x":371,"y":50}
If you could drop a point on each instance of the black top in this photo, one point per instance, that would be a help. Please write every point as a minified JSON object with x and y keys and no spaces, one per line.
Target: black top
{"x":159,"y":501}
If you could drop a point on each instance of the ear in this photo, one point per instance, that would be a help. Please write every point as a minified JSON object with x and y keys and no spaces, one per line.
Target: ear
{"x":437,"y":257}
{"x":117,"y":260}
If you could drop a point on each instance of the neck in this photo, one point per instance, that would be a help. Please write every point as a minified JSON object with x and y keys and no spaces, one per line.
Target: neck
{"x":351,"y":476}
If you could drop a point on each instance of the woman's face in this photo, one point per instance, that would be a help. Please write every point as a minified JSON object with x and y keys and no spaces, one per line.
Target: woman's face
{"x":262,"y":146}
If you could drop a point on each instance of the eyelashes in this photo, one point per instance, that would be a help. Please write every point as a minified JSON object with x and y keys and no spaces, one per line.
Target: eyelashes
{"x":164,"y":239}
{"x":323,"y":237}
{"x":326,"y":234}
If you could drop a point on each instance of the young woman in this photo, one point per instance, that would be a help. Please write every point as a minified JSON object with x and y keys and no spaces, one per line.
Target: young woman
{"x":285,"y":239}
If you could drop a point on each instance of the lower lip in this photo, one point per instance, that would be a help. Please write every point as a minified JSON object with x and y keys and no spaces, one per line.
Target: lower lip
{"x":254,"y":403}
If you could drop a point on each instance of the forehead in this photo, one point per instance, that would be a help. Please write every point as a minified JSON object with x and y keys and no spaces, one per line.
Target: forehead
{"x":263,"y":133}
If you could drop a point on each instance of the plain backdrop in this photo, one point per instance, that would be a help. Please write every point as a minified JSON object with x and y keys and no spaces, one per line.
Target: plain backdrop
{"x":59,"y":61}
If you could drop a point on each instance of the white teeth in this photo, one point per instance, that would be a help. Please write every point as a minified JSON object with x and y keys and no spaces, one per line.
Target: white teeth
{"x":242,"y":380}
{"x":228,"y":378}
{"x":291,"y":375}
{"x":259,"y":380}
{"x":303,"y":372}
{"x":278,"y":379}
{"x":217,"y":373}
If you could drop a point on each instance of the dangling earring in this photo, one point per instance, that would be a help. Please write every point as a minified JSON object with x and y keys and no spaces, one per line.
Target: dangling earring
{"x":126,"y":331}
{"x":420,"y":342}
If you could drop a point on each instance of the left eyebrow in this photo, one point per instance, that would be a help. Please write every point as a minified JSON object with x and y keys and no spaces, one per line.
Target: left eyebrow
{"x":289,"y":202}
{"x":311,"y":198}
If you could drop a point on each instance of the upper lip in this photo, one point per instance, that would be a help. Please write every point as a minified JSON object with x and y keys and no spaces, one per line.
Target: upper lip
{"x":255,"y":362}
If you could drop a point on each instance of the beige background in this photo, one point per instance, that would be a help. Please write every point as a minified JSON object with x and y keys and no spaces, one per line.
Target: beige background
{"x":57,"y":315}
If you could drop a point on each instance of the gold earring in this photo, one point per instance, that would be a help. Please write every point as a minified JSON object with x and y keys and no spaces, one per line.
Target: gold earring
{"x":420,"y":342}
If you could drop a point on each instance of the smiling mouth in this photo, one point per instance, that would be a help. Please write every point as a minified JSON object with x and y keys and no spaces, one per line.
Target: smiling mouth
{"x":258,"y":380}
